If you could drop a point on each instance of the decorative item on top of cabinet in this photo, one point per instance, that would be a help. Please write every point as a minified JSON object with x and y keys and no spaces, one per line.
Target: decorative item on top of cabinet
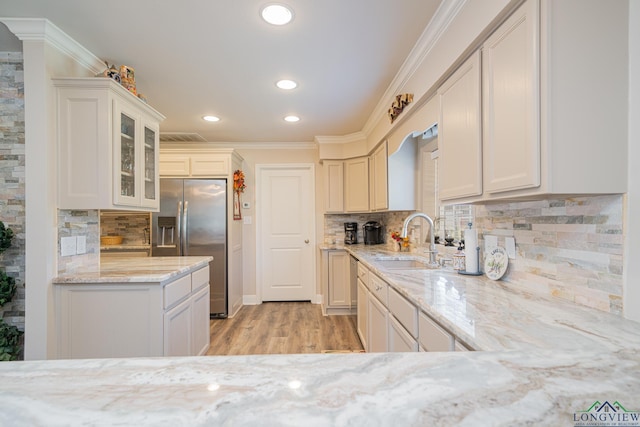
{"x":108,"y":143}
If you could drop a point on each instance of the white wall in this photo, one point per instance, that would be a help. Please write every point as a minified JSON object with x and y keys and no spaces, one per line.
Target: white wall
{"x":253,"y":157}
{"x":632,"y":242}
{"x":43,"y":59}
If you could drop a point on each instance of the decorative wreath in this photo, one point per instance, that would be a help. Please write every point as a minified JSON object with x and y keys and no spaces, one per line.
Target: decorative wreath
{"x":238,"y":181}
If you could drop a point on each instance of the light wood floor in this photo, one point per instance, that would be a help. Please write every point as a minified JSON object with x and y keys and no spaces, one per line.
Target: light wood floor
{"x":283,"y":328}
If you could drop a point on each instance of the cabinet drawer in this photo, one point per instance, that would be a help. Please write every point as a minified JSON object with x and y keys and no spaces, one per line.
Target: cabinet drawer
{"x":363,"y":273}
{"x":379,"y":288}
{"x":177,"y":290}
{"x":404,"y":311}
{"x":199,"y":278}
{"x":432,"y":337}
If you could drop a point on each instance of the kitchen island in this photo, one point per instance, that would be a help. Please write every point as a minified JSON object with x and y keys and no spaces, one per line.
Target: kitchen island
{"x":133,"y":307}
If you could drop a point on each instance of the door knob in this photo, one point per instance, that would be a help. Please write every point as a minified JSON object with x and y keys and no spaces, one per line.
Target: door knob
{"x":306,"y":240}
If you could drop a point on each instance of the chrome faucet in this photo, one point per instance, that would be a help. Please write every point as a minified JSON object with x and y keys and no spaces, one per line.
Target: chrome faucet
{"x":432,"y":245}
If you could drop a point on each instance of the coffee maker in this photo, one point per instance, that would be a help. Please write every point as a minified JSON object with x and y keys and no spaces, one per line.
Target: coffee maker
{"x":350,"y":233}
{"x":372,"y":231}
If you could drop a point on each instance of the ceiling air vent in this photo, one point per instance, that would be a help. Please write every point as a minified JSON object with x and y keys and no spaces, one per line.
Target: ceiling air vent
{"x":181,"y":137}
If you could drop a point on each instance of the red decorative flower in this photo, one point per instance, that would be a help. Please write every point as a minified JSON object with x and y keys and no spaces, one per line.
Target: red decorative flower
{"x":238,"y":181}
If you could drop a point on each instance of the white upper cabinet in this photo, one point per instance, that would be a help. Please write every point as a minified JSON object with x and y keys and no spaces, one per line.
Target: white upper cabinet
{"x":108,"y":142}
{"x":333,"y":185}
{"x":553,"y":116}
{"x":511,"y":121}
{"x":356,"y":175}
{"x":379,"y":178}
{"x":460,"y":136}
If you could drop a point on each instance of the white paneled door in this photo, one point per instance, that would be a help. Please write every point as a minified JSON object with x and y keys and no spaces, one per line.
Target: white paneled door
{"x":286,"y":236}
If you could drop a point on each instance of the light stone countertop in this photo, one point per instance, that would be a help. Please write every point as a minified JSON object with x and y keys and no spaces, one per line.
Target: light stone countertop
{"x":495,"y":315}
{"x":136,"y":270}
{"x":548,"y":362}
{"x":539,"y":388}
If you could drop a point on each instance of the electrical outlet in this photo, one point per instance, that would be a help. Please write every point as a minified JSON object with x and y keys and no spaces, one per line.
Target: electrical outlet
{"x":81,"y":245}
{"x":510,"y":243}
{"x":247,"y":220}
{"x":68,"y":246}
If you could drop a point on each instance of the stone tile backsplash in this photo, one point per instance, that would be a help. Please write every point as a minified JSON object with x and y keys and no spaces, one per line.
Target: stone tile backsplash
{"x":12,"y":185}
{"x":132,"y":226}
{"x":77,"y":223}
{"x":570,"y":248}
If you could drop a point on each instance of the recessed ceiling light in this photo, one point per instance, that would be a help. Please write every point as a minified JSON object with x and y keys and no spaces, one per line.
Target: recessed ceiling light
{"x":292,"y":119}
{"x":276,"y":14}
{"x":286,"y":84}
{"x":211,"y":118}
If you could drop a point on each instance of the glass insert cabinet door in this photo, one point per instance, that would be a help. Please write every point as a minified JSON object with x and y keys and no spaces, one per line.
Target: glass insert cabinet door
{"x":127,"y":156}
{"x":149,"y":164}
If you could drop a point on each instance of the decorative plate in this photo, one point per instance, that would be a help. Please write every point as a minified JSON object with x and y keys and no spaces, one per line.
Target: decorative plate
{"x":496,"y":262}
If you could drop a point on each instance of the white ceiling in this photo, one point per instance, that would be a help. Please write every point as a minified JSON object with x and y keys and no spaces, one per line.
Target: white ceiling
{"x":197,"y":57}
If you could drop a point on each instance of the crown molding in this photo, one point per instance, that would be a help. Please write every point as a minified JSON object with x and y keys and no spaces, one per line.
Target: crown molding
{"x":240,"y":145}
{"x":344,"y":139}
{"x":40,"y":29}
{"x":441,"y":20}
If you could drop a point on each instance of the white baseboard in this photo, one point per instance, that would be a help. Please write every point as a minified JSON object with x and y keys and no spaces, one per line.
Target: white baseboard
{"x":250,"y":300}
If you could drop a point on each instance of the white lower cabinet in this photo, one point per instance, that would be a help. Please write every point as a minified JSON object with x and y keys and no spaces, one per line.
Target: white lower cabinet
{"x":177,"y":330}
{"x":200,"y":331}
{"x":399,"y":339}
{"x":96,"y":320}
{"x":363,"y":314}
{"x":387,"y":321}
{"x":378,"y":318}
{"x":432,"y":337}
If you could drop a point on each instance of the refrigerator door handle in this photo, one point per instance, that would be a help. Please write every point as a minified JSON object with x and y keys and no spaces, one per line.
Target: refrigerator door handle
{"x":185,"y":233}
{"x":179,"y":242}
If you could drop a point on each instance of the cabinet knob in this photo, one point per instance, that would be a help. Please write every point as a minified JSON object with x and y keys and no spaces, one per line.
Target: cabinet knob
{"x":306,"y":240}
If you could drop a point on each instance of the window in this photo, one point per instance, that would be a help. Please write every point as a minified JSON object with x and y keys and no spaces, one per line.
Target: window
{"x":450,"y":220}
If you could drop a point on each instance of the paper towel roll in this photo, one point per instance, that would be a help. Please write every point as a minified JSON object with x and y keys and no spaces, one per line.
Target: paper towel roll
{"x":470,"y":250}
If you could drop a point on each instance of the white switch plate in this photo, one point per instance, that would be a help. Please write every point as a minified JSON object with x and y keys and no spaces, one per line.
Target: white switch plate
{"x":81,"y":245}
{"x":510,"y":243}
{"x":490,"y":242}
{"x":68,"y":246}
{"x":247,"y":220}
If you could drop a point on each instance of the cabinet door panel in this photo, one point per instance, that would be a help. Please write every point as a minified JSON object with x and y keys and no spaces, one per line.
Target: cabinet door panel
{"x":357,"y":185}
{"x":200,"y":322}
{"x":399,"y":339}
{"x":378,"y":329}
{"x":362,"y":314}
{"x":510,"y":92}
{"x":460,"y":136}
{"x":339,"y":289}
{"x":379,"y":181}
{"x":175,"y":165}
{"x":334,"y":186}
{"x":177,"y":330}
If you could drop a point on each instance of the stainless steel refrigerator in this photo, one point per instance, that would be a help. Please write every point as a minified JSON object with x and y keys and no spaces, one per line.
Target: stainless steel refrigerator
{"x":193,"y":221}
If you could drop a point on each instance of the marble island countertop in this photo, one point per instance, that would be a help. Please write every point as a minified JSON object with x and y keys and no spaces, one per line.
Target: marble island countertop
{"x":544,"y":388}
{"x":135,"y":270}
{"x":495,"y":315}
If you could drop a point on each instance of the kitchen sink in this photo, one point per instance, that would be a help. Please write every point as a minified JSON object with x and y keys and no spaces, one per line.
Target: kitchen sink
{"x":404,"y":264}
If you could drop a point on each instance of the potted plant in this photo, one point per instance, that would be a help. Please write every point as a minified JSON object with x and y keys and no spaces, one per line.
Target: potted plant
{"x":9,"y":334}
